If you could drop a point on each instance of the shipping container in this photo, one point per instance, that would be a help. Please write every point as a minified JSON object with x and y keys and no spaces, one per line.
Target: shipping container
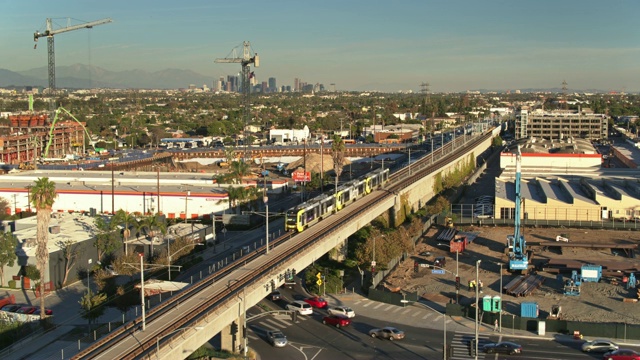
{"x":591,"y":273}
{"x":529,"y":310}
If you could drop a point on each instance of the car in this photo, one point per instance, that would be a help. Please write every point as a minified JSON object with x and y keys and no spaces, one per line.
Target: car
{"x":343,"y":311}
{"x":111,"y":271}
{"x":336,"y":320}
{"x":388,"y":332}
{"x":10,"y":308}
{"x":276,"y":338}
{"x":26,"y":310}
{"x":621,"y":354}
{"x":47,"y":312}
{"x":316,"y":302}
{"x":301,"y":307}
{"x":504,"y":347}
{"x":599,"y":345}
{"x":275,"y":295}
{"x":425,"y":253}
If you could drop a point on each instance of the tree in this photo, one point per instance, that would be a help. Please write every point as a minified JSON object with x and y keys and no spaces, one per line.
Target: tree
{"x":91,"y":305}
{"x":70,"y":254}
{"x":152,"y":225}
{"x":337,"y":153}
{"x":106,"y":240}
{"x":7,"y":252}
{"x":128,"y":221}
{"x":43,"y":195}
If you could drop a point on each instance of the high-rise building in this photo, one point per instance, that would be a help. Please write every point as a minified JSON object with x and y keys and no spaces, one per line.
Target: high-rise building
{"x":296,"y":84}
{"x":272,"y":85}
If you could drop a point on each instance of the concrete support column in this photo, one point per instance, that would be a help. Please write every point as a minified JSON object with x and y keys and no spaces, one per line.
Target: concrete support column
{"x":229,"y":339}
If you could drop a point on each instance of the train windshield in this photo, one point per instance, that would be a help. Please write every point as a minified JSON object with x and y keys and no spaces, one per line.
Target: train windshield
{"x":291,"y":216}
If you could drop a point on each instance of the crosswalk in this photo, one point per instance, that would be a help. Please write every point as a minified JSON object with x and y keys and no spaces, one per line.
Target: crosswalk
{"x":262,"y":325}
{"x":408,"y":313}
{"x":461,"y":343}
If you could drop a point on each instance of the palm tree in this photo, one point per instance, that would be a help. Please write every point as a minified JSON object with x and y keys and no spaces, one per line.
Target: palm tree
{"x":151,"y":225}
{"x":43,"y":195}
{"x":240,"y":169}
{"x":129,"y":222}
{"x":337,"y":153}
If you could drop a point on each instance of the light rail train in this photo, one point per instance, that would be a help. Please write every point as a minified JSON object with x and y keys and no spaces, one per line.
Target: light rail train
{"x":310,"y":212}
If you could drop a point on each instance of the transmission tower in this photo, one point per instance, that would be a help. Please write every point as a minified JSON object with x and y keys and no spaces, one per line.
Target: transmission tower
{"x":245,"y":60}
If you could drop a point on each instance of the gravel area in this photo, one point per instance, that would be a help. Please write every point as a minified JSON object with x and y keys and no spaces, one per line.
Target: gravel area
{"x":597,"y":302}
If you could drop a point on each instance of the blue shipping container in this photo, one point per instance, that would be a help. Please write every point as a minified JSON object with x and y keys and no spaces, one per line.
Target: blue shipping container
{"x":591,"y":273}
{"x":529,"y":310}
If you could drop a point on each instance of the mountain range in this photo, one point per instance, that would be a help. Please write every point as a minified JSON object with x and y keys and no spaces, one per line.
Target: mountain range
{"x":79,"y":76}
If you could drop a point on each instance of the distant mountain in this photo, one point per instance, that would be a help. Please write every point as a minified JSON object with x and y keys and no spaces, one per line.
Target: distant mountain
{"x":80,"y":76}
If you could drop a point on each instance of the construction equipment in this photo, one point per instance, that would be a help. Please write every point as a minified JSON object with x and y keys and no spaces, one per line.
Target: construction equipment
{"x":555,"y":312}
{"x":448,"y":222}
{"x":49,"y":33}
{"x":246,"y":60}
{"x":516,"y":244}
{"x":572,"y":286}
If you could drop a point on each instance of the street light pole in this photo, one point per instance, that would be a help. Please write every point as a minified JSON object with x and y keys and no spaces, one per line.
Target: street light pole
{"x":500,"y":297}
{"x":142,"y":289}
{"x":186,"y":200}
{"x":265,"y":198}
{"x":477,"y":286}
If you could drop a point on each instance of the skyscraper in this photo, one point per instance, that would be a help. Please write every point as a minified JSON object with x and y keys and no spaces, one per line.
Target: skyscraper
{"x":272,"y":85}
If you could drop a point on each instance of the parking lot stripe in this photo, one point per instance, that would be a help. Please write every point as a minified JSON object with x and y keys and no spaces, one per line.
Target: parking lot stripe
{"x":396,"y":309}
{"x":367,"y":304}
{"x":426,"y":316}
{"x":379,"y":305}
{"x":406,"y":311}
{"x":416,"y":313}
{"x":389,"y":307}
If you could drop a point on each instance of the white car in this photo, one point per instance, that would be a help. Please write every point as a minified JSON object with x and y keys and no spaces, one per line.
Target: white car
{"x":301,"y":307}
{"x":344,"y":311}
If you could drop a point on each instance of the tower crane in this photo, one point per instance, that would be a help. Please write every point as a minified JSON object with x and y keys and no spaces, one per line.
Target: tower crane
{"x":246,"y":60}
{"x":518,"y":259}
{"x":49,"y":33}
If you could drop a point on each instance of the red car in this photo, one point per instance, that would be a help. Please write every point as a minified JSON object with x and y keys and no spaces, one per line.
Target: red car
{"x":26,"y":310}
{"x":622,"y":354}
{"x":316,"y":302}
{"x":47,"y":312}
{"x":335,"y":320}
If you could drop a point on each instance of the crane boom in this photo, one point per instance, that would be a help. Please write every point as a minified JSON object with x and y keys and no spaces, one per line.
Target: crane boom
{"x":518,"y":256}
{"x":50,"y":31}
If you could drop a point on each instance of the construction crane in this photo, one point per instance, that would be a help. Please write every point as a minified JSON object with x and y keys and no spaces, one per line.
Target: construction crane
{"x":49,"y":33}
{"x":246,"y":60}
{"x":518,"y":259}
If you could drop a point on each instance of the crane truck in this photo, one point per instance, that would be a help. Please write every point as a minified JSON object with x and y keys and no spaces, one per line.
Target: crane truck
{"x":516,"y":244}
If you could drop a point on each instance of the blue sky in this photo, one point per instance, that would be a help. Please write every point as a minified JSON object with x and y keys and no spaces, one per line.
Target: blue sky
{"x":455,"y":45}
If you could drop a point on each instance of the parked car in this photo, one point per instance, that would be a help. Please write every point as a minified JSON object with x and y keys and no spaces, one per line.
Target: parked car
{"x":600,"y":345}
{"x":343,"y":311}
{"x":47,"y":312}
{"x":26,"y":310}
{"x":301,"y":307}
{"x":275,"y":295}
{"x":276,"y":338}
{"x":505,"y":347}
{"x":316,"y":302}
{"x":10,"y":308}
{"x":388,"y":332}
{"x":336,"y":320}
{"x":621,"y":354}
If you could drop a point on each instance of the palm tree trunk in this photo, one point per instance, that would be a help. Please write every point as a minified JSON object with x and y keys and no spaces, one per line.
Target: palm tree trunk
{"x":42,"y":253}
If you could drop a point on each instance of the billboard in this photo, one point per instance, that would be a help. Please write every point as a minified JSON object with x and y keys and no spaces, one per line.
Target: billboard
{"x":301,"y":176}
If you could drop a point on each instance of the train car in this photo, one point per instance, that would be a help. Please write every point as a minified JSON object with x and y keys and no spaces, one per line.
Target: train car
{"x":308,"y":213}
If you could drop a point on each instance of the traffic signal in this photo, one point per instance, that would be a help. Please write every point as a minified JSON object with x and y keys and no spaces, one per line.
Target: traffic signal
{"x":373,"y":269}
{"x":415,"y":266}
{"x":293,"y":273}
{"x":234,"y":328}
{"x":273,"y":285}
{"x":457,"y":282}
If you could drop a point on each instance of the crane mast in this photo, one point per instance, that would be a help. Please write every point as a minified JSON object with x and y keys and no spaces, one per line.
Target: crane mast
{"x":49,"y":33}
{"x":246,"y":60}
{"x":517,"y":253}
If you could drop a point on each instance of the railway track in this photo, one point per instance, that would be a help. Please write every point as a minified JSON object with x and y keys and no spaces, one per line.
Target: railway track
{"x":168,"y":323}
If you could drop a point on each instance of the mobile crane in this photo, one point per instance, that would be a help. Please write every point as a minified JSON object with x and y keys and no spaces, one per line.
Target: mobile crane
{"x":516,"y":244}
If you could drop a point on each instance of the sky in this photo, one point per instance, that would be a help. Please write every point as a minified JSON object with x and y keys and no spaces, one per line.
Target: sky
{"x":365,"y":45}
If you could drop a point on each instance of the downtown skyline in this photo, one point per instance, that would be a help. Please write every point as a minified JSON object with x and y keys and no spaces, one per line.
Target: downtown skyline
{"x":356,"y":45}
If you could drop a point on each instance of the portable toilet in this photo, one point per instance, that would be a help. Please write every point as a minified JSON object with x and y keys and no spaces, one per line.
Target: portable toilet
{"x":486,"y":303}
{"x":529,"y":310}
{"x":496,"y":304}
{"x":591,"y":273}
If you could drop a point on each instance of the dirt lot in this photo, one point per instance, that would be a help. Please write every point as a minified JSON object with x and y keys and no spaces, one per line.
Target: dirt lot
{"x":598,"y":302}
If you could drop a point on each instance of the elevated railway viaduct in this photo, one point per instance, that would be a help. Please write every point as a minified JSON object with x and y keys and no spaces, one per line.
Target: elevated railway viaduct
{"x":181,"y":324}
